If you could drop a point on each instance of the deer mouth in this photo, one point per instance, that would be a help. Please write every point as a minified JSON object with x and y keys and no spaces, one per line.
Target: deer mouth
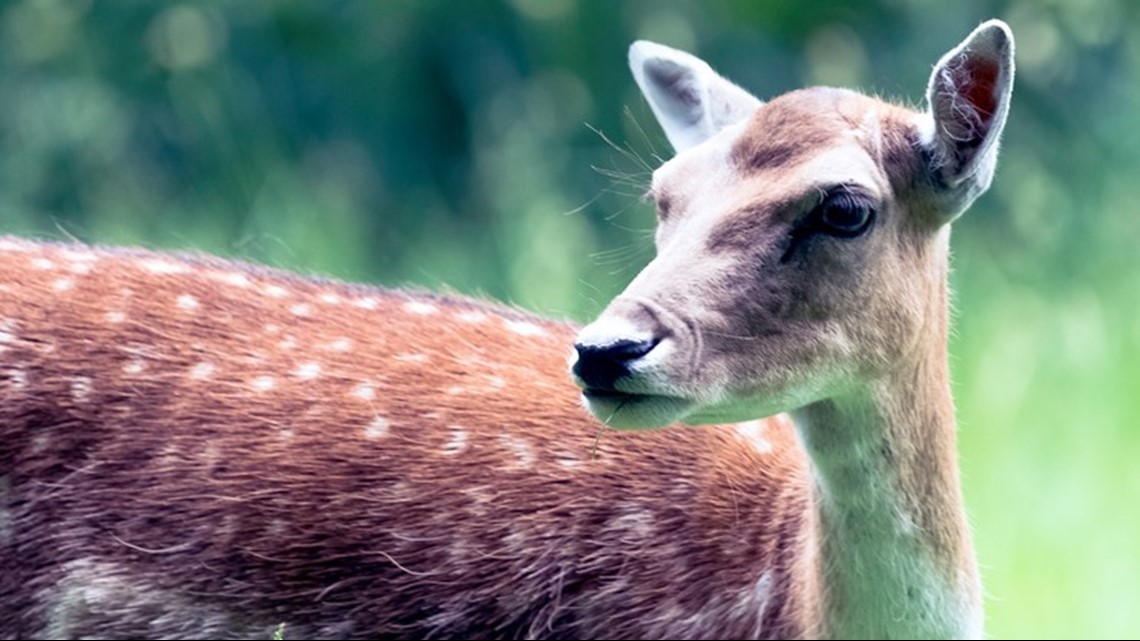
{"x":630,"y":411}
{"x":608,"y":394}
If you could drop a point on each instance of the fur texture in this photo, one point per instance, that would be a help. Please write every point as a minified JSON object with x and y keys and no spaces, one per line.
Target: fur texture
{"x":192,"y":448}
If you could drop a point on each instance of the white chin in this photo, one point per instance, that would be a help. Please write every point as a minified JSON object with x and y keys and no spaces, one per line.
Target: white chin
{"x":636,"y":411}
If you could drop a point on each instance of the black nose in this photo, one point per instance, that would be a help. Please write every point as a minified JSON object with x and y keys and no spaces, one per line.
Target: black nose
{"x":600,"y":365}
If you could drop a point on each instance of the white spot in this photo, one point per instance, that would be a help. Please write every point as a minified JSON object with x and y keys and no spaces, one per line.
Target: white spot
{"x":378,"y":428}
{"x":456,"y":389}
{"x":159,"y":266}
{"x":77,"y":256}
{"x":80,"y":268}
{"x":186,"y":301}
{"x":635,"y":522}
{"x":458,"y":551}
{"x":237,"y":279}
{"x":263,"y":383}
{"x":41,"y":441}
{"x":566,"y":459}
{"x":421,"y":308}
{"x":86,"y":586}
{"x":17,"y":377}
{"x":364,"y":391}
{"x":202,"y":371}
{"x":307,"y":371}
{"x":7,"y":337}
{"x":753,"y":433}
{"x":481,"y":496}
{"x":471,"y":316}
{"x":133,"y":367}
{"x":516,"y":541}
{"x":520,"y":448}
{"x":400,"y":491}
{"x":366,"y":303}
{"x":411,"y":358}
{"x":210,"y":454}
{"x":301,"y":309}
{"x":287,"y":343}
{"x":755,"y":602}
{"x":62,"y":284}
{"x":42,"y":263}
{"x":276,"y":291}
{"x":80,"y":388}
{"x":457,"y":443}
{"x":523,"y":328}
{"x":330,"y":298}
{"x":277,"y":528}
{"x":227,"y":529}
{"x":116,"y":317}
{"x":496,"y":382}
{"x":9,"y":245}
{"x":339,"y":345}
{"x":272,"y":328}
{"x":6,"y":516}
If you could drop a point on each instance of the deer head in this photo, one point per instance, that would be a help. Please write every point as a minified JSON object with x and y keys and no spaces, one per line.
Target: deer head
{"x":801,"y":243}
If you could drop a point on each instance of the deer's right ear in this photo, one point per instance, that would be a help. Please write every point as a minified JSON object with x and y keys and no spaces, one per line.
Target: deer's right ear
{"x":691,"y":101}
{"x":968,"y":96}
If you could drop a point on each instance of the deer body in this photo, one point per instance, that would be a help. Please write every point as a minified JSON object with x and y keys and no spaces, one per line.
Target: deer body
{"x":194,"y":448}
{"x":197,"y":448}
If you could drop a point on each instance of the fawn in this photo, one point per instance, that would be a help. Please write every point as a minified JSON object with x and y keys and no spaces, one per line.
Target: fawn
{"x":198,"y":448}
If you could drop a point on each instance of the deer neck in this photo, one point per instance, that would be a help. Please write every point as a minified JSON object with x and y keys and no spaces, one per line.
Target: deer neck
{"x":895,"y":551}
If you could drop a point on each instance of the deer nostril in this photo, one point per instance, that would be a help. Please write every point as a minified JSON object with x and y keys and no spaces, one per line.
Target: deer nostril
{"x":621,"y":350}
{"x":599,"y":366}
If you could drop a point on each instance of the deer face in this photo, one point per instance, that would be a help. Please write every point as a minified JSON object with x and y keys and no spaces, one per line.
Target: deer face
{"x":801,"y":243}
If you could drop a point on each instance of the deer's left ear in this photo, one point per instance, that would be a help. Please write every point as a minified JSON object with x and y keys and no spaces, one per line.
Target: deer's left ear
{"x":691,"y":101}
{"x":968,"y":98}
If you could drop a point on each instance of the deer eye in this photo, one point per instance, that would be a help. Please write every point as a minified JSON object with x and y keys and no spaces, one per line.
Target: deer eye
{"x":663,"y":205}
{"x":844,"y":215}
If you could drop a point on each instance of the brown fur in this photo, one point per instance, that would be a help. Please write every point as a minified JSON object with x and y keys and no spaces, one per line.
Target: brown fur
{"x":152,"y":484}
{"x":787,"y":129}
{"x":750,"y":284}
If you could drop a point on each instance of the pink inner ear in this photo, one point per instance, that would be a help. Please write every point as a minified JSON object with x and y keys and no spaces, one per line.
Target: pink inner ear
{"x":978,"y":85}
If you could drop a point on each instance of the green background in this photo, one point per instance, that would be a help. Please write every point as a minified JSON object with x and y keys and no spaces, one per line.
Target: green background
{"x":452,"y":145}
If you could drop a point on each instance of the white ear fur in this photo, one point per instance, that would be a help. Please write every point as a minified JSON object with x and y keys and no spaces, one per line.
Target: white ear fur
{"x":968,"y":98}
{"x":690,"y":100}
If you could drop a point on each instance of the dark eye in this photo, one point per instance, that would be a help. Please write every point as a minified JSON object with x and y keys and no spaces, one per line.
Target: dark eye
{"x":844,"y":216}
{"x":663,"y":207}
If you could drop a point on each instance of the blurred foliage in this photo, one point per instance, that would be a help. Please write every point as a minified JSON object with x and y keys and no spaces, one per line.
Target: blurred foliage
{"x":463,"y":145}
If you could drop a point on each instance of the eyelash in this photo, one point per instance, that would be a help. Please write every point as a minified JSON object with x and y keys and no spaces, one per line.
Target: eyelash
{"x":846,"y":204}
{"x":814,"y":222}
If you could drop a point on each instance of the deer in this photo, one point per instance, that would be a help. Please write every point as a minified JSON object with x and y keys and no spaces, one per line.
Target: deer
{"x":755,"y":439}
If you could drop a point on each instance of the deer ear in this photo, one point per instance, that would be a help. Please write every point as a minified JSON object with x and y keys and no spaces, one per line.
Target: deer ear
{"x":690,"y":100}
{"x":968,"y":99}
